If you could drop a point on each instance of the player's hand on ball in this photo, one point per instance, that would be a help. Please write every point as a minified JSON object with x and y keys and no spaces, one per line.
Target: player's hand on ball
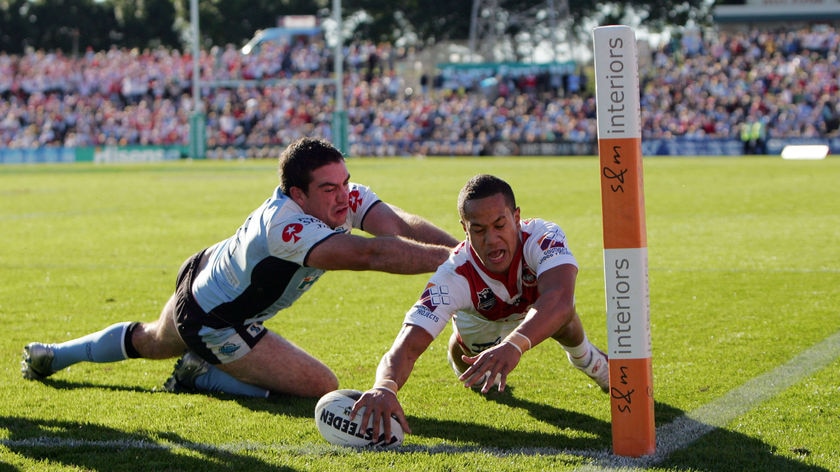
{"x":336,"y":424}
{"x":381,"y":405}
{"x":491,"y":366}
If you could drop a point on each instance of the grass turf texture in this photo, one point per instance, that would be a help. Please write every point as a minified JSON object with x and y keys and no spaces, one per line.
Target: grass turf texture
{"x":744,"y":264}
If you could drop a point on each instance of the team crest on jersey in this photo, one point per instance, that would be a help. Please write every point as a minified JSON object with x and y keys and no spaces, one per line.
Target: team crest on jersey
{"x":486,"y":299}
{"x":355,"y":199}
{"x":290,"y":232}
{"x":529,"y":278}
{"x":434,"y":296}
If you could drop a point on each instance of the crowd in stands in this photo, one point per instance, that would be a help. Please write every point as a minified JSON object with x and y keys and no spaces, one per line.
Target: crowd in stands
{"x":788,"y":81}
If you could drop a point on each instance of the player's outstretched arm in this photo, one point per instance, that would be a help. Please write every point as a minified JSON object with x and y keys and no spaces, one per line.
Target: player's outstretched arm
{"x":388,"y":220}
{"x":394,"y":368}
{"x":393,"y":254}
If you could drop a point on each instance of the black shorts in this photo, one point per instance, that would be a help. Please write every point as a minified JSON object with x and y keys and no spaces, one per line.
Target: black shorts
{"x":215,"y":340}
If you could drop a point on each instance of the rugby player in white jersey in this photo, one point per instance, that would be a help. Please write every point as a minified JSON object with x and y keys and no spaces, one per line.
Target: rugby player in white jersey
{"x":507,"y":288}
{"x":224,"y":293}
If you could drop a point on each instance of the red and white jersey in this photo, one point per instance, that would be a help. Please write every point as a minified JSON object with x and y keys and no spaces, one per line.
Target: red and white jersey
{"x":486,"y":307}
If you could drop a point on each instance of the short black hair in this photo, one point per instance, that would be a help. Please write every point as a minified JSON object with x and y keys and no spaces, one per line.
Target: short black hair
{"x":302,"y":157}
{"x":482,"y":186}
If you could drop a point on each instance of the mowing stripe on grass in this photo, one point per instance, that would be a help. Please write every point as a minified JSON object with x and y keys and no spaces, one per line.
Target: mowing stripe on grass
{"x":670,"y":437}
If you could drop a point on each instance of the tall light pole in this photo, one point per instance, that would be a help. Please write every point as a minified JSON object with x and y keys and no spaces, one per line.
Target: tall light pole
{"x":198,"y":131}
{"x":339,"y":115}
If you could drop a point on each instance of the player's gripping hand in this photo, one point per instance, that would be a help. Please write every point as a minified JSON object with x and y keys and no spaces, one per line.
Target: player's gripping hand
{"x":380,"y":405}
{"x":498,"y":360}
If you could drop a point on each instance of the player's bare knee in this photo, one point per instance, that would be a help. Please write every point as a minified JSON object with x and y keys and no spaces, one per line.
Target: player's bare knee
{"x":330,"y":384}
{"x":455,"y":353}
{"x":320,"y":386}
{"x":150,"y":342}
{"x":571,"y":334}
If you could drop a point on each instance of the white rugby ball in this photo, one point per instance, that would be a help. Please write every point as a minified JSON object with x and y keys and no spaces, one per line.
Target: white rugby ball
{"x":332,"y":416}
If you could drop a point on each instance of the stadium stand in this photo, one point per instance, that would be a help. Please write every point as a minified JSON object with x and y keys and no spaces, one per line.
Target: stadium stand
{"x":787,"y":81}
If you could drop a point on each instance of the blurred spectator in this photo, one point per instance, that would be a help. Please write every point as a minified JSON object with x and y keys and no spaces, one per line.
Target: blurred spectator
{"x":701,"y":87}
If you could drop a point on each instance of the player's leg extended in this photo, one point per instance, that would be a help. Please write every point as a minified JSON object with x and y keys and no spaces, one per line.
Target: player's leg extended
{"x":454,"y":355}
{"x":582,"y":353}
{"x":120,"y":341}
{"x":244,"y":360}
{"x":160,"y":339}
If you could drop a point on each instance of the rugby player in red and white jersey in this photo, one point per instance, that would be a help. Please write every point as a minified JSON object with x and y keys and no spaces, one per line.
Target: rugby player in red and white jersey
{"x":508,"y":287}
{"x":224,"y":293}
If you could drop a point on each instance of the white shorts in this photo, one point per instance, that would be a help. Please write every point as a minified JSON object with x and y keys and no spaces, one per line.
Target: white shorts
{"x":476,"y":334}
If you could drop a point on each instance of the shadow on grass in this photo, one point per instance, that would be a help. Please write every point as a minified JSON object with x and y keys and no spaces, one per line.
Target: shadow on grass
{"x":720,"y":450}
{"x":576,"y":430}
{"x":280,"y":404}
{"x":70,"y":385}
{"x":93,"y":447}
{"x":712,"y":450}
{"x":708,"y":449}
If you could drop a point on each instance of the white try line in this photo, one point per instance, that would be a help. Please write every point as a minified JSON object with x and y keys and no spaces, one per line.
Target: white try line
{"x":690,"y":427}
{"x":670,"y":437}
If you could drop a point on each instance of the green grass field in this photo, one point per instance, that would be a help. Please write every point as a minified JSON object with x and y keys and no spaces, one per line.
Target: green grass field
{"x":744,"y":259}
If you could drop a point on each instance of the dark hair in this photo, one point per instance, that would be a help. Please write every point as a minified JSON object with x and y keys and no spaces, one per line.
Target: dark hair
{"x":482,"y":186}
{"x":302,"y":157}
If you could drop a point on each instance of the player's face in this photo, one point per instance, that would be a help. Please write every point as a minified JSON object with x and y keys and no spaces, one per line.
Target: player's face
{"x":327,"y":196}
{"x":492,"y":231}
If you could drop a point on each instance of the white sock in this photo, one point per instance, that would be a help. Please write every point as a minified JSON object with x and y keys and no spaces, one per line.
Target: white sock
{"x":580,"y":355}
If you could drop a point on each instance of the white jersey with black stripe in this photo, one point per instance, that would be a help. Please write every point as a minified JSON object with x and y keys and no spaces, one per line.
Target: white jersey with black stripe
{"x":261,"y":270}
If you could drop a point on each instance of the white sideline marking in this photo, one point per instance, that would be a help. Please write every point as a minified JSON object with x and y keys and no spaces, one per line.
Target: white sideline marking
{"x":670,"y":437}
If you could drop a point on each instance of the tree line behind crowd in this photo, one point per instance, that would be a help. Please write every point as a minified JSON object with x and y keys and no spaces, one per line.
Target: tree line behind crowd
{"x":72,"y":26}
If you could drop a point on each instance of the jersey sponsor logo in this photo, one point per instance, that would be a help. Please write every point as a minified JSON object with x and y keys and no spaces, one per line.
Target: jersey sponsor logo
{"x":290,"y":232}
{"x":486,"y":299}
{"x":551,"y":247}
{"x":548,"y":241}
{"x":254,"y":329}
{"x":426,"y":313}
{"x":355,"y":200}
{"x":310,"y":220}
{"x":435,"y":295}
{"x":307,"y":282}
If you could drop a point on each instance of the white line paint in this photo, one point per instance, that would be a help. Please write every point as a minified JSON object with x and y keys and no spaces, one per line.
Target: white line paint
{"x":690,"y":427}
{"x":670,"y":437}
